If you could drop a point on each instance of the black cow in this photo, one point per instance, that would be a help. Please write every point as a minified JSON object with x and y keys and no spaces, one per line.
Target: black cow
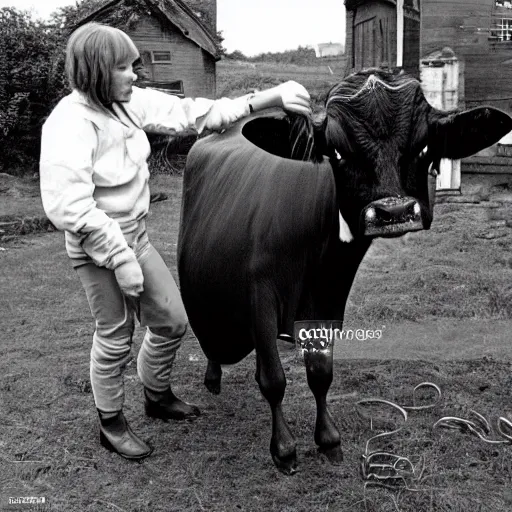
{"x":259,"y":244}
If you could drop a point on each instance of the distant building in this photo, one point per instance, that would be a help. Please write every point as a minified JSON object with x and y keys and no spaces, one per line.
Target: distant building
{"x":329,"y":49}
{"x":178,"y":49}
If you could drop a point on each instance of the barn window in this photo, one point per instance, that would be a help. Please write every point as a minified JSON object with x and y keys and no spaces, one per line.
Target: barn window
{"x":160,"y":57}
{"x":502,"y":30}
{"x":504,"y":3}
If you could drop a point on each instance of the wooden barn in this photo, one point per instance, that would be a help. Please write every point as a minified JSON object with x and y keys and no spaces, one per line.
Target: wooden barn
{"x":177,"y":45}
{"x":383,"y":33}
{"x":479,"y":32}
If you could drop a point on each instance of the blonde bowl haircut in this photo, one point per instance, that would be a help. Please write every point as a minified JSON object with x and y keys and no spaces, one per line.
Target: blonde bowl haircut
{"x":92,"y":52}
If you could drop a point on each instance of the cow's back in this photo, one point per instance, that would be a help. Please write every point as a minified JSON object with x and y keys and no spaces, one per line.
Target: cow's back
{"x":249,"y":218}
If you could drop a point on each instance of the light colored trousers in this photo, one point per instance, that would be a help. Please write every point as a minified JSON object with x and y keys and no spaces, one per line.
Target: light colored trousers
{"x":161,"y":312}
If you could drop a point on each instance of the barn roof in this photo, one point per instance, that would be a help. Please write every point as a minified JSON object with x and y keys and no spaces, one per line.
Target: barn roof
{"x":174,"y":12}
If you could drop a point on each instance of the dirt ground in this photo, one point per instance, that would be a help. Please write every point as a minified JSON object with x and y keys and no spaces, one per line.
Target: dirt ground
{"x":48,"y":429}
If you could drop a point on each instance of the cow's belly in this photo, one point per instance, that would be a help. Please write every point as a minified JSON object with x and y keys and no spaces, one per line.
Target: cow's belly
{"x":216,"y":301}
{"x":249,"y":222}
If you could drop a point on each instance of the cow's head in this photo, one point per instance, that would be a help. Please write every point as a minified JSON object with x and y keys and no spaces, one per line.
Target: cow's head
{"x":384,"y":138}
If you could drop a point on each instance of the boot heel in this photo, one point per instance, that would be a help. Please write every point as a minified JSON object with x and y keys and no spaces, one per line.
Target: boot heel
{"x":106,"y":443}
{"x":153,"y":411}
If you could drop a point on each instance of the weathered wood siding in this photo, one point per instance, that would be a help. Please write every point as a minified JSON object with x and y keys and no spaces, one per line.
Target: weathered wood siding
{"x":189,"y":63}
{"x":371,"y":36}
{"x":464,"y":26}
{"x":411,"y":41}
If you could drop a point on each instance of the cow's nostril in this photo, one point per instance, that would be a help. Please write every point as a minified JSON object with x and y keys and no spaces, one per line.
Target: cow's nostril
{"x":391,"y":216}
{"x":384,"y":215}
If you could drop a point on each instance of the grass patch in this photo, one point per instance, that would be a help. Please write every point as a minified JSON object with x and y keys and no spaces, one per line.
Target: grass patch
{"x":447,"y":271}
{"x":236,"y":78}
{"x":221,"y":461}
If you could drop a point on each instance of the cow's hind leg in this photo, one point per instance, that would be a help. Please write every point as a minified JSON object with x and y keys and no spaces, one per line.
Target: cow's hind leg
{"x":212,"y":377}
{"x":272,"y":382}
{"x":319,"y":374}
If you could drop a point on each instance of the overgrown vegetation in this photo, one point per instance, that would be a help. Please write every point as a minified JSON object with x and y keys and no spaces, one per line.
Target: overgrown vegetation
{"x":32,"y":79}
{"x":30,"y":82}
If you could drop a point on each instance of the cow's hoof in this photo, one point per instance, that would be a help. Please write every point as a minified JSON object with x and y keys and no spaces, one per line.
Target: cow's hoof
{"x":287,"y":465}
{"x":333,"y":453}
{"x":213,"y":386}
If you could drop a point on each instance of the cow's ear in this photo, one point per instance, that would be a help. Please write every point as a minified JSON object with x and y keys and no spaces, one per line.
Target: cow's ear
{"x":462,"y":134}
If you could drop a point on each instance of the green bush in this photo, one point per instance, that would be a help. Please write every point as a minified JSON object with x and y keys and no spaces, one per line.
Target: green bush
{"x":28,"y":85}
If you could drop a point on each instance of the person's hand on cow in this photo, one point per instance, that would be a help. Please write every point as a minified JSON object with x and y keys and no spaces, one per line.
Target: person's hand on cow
{"x":294,"y":97}
{"x":290,"y":96}
{"x":222,"y":113}
{"x":130,"y":279}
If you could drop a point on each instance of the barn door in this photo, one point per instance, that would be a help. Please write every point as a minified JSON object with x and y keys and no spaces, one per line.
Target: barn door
{"x":372,"y":42}
{"x":440,"y":83}
{"x":364,"y":55}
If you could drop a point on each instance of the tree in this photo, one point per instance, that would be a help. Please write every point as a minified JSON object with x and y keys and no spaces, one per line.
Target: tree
{"x":236,"y":55}
{"x":26,"y":70}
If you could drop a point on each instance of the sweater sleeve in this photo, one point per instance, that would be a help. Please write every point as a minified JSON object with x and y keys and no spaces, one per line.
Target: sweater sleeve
{"x":164,"y":113}
{"x":66,"y":169}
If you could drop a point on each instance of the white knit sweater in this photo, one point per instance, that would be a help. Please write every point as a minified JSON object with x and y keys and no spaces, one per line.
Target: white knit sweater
{"x":93,"y":167}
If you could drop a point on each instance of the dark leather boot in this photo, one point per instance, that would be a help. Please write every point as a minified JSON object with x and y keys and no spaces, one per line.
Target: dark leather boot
{"x":167,"y":406}
{"x":117,"y":436}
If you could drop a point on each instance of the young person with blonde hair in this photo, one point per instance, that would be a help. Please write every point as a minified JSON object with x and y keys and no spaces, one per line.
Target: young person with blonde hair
{"x":94,"y":186}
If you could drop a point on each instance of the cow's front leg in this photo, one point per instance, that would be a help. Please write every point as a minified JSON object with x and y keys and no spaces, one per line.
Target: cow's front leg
{"x":212,"y":377}
{"x":319,"y":374}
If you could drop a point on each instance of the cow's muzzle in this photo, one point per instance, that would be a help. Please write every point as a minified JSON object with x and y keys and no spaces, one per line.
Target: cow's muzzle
{"x":391,"y":216}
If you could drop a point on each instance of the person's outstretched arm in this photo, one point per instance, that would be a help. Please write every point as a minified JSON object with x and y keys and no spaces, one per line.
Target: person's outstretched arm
{"x":163,"y":113}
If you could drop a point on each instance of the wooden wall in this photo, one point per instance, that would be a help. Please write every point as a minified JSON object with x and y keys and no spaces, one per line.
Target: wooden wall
{"x":371,"y":36}
{"x":464,"y":26}
{"x":412,"y":42}
{"x":189,"y":62}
